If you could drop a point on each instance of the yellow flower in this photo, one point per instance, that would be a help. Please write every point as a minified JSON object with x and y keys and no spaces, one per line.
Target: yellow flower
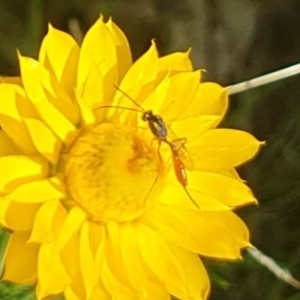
{"x":90,"y":196}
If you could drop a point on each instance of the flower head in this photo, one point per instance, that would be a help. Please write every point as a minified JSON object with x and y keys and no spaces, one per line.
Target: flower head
{"x":99,"y":206}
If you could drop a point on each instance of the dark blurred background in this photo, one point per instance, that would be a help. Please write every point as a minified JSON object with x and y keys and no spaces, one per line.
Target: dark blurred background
{"x":235,"y":41}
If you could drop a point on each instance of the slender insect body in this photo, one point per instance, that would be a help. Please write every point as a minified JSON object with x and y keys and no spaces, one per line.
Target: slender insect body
{"x":178,"y":165}
{"x":159,"y":130}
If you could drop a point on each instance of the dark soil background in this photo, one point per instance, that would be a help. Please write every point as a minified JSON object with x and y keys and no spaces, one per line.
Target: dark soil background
{"x":235,"y":41}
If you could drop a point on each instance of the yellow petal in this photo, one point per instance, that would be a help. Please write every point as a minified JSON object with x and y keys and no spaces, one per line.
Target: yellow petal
{"x":37,"y":191}
{"x":191,"y":128}
{"x":182,"y":89}
{"x":53,"y":278}
{"x":234,"y":226}
{"x":18,"y":169}
{"x":70,"y":294}
{"x":44,"y":140}
{"x":104,"y":57}
{"x":63,"y":129}
{"x":222,"y":149}
{"x":178,"y":61}
{"x":4,"y":205}
{"x":99,"y":251}
{"x":157,"y":97}
{"x":232,"y":173}
{"x":17,"y":216}
{"x":130,"y":256}
{"x":215,"y":234}
{"x":70,"y":256}
{"x":100,"y":293}
{"x":172,"y":229}
{"x":20,"y":259}
{"x":159,"y":258}
{"x":13,"y":97}
{"x":90,"y":271}
{"x":136,"y":86}
{"x":138,"y":81}
{"x":8,"y":147}
{"x":198,"y":285}
{"x":229,"y":191}
{"x":115,"y":287}
{"x":123,"y":50}
{"x":175,"y":195}
{"x":87,"y":116}
{"x":113,"y":254}
{"x":76,"y":291}
{"x":72,"y":224}
{"x":47,"y":95}
{"x":144,"y":90}
{"x":48,"y":222}
{"x":64,"y":65}
{"x":210,"y":99}
{"x":96,"y":236}
{"x":92,"y":94}
{"x":156,"y":288}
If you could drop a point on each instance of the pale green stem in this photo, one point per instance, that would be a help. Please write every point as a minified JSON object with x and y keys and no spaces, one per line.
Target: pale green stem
{"x":264,"y":79}
{"x":260,"y":257}
{"x":269,"y":263}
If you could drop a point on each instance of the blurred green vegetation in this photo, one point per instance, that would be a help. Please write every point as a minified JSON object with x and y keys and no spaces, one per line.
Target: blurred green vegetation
{"x":234,"y":41}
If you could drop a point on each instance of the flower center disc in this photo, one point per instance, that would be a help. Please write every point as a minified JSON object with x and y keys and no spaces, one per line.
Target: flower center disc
{"x":112,"y":173}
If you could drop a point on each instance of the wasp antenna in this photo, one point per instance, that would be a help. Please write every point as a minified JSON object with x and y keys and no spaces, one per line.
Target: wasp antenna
{"x":116,"y":106}
{"x":130,"y":98}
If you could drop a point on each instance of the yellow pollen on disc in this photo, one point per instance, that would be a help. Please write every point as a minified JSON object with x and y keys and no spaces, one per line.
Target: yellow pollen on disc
{"x":112,"y":173}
